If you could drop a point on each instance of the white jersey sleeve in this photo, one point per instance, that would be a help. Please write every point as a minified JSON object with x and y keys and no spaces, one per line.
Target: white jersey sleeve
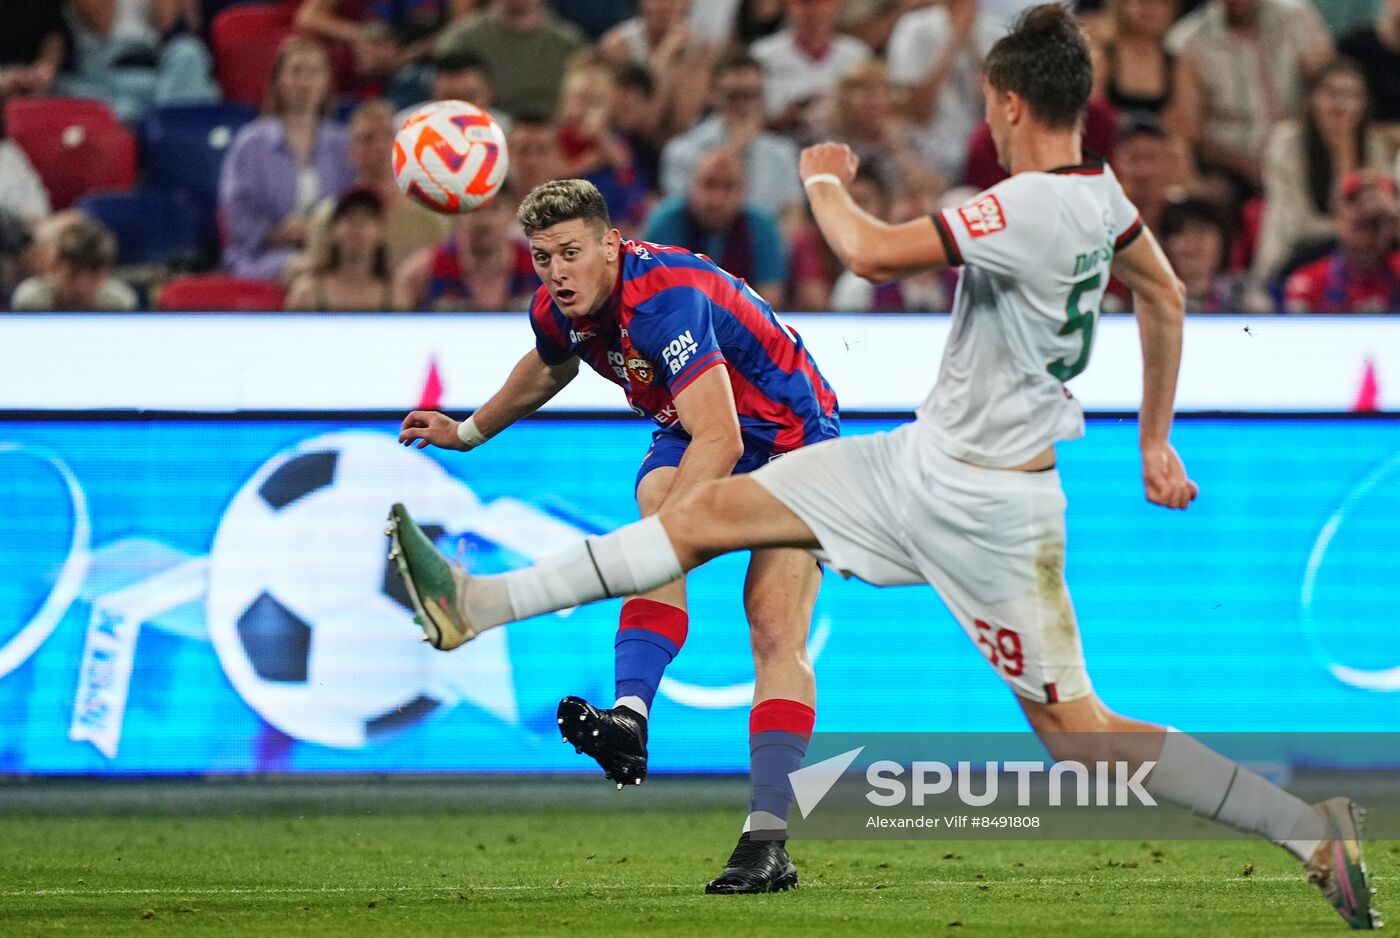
{"x":1006,"y":227}
{"x":1003,"y":230}
{"x":1123,"y":215}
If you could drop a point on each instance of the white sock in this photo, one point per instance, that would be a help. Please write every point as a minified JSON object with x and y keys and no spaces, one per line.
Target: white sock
{"x":1193,"y":776}
{"x":633,"y":559}
{"x":634,"y":703}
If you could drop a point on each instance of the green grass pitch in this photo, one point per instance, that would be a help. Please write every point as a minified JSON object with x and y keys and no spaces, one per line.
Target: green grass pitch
{"x":490,"y":857}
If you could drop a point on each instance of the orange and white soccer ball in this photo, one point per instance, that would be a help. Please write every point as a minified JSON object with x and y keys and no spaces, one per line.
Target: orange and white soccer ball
{"x":450,"y":156}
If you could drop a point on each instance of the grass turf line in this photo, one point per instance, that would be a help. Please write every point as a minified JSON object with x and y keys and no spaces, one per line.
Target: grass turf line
{"x":602,"y":871}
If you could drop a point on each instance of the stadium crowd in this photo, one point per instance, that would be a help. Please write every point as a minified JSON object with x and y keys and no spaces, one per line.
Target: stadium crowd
{"x":186,"y":154}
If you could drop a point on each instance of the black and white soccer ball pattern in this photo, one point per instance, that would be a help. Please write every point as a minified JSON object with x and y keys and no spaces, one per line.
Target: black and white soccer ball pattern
{"x":309,"y":623}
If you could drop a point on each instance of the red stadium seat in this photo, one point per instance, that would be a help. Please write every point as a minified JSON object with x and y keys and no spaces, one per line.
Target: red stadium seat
{"x":21,"y":112}
{"x":246,"y":39}
{"x":216,"y":292}
{"x":77,"y":146}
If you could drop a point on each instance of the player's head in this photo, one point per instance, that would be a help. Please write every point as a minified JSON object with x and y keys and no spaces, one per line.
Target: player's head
{"x":1037,"y":77}
{"x":573,"y":243}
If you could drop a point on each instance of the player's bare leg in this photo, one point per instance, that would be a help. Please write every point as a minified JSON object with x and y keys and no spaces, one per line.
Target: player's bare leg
{"x":651,"y":630}
{"x":779,"y":595}
{"x":1326,"y":837}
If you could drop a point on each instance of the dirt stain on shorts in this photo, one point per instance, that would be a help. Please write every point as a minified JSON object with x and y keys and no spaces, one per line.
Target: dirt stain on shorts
{"x":1062,"y":632}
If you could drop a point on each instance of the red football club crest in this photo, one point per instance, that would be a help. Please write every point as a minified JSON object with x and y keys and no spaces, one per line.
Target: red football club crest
{"x":639,"y":369}
{"x":983,"y":217}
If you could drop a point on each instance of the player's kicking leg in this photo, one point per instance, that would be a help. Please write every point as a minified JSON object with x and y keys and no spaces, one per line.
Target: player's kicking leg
{"x":779,"y":594}
{"x":453,"y":607}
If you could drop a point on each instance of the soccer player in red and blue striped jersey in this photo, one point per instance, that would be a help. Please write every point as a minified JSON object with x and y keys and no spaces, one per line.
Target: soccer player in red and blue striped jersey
{"x":730,"y":388}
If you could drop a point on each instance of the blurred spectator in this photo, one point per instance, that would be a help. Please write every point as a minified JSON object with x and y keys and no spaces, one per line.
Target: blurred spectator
{"x":803,"y":63}
{"x":713,"y":219}
{"x":936,"y":57}
{"x":125,"y":54}
{"x":635,"y":118}
{"x":1363,"y":274}
{"x":853,"y":294}
{"x":661,"y":40}
{"x":873,"y":21}
{"x":1240,"y":68}
{"x":526,"y":47}
{"x":755,"y":19}
{"x":637,"y":39}
{"x":864,"y":118}
{"x":983,"y":171}
{"x":770,"y":161}
{"x":480,"y":267}
{"x":16,"y":253}
{"x":594,"y":17}
{"x":1376,"y":47}
{"x":590,"y":147}
{"x":279,"y":166}
{"x":408,"y":226}
{"x":534,"y":152}
{"x":1133,"y":69}
{"x":460,"y":76}
{"x":1142,"y":161}
{"x":1303,"y":161}
{"x":355,"y":274}
{"x":391,"y":41}
{"x":812,"y":269}
{"x":22,"y":192}
{"x":1197,"y":242}
{"x":81,"y":276}
{"x":33,"y":46}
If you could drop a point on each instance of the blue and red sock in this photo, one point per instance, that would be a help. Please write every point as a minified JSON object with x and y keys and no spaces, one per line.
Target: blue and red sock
{"x":649,"y":635}
{"x":778,"y":734}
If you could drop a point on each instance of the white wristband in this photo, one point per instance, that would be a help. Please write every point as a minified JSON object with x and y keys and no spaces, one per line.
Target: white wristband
{"x":832,"y":178}
{"x":468,"y":433}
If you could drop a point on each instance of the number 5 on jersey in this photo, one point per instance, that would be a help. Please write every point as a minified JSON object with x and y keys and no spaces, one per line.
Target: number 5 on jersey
{"x":1077,"y":321}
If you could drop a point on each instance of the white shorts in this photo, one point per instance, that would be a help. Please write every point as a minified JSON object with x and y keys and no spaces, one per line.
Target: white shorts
{"x":891,"y":509}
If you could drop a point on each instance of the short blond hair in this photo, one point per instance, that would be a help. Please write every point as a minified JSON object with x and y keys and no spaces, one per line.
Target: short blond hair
{"x":560,"y":200}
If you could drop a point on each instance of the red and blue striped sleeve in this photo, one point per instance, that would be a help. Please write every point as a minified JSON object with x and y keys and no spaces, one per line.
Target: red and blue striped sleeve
{"x":550,"y":339}
{"x":675,"y":330}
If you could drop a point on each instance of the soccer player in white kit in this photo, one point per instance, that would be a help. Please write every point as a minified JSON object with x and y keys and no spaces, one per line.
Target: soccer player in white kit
{"x":965,"y":498}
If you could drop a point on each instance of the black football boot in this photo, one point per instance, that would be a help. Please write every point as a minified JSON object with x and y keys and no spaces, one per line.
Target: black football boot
{"x":616,"y":739}
{"x":755,"y":866}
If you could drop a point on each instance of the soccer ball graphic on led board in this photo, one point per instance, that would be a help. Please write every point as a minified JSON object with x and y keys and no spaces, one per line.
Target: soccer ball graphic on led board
{"x":450,"y":156}
{"x":308,"y":622}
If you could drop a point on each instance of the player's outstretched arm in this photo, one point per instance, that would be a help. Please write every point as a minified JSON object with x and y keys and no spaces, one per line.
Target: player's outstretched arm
{"x":869,"y":247}
{"x":1159,"y":303}
{"x":531,"y":384}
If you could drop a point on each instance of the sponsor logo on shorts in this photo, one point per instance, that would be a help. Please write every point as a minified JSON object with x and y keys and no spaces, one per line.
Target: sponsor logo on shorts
{"x":983,"y":217}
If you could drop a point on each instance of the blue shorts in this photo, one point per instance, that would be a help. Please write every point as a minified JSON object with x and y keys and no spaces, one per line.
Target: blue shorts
{"x":668,"y":446}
